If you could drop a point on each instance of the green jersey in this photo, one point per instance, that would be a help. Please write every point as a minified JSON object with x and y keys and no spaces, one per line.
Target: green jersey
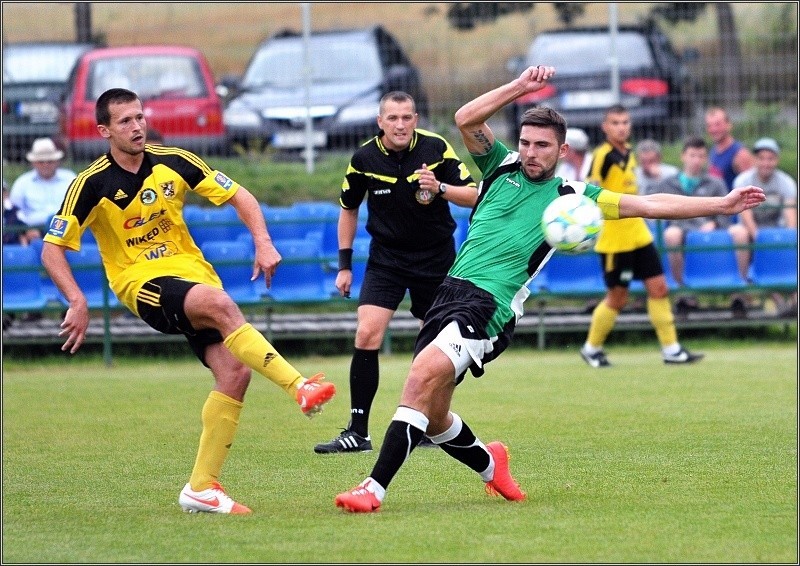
{"x":505,"y":246}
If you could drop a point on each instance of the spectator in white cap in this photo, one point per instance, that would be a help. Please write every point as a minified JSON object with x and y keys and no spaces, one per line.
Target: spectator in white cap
{"x":38,"y":193}
{"x":575,"y":164}
{"x":780,"y":208}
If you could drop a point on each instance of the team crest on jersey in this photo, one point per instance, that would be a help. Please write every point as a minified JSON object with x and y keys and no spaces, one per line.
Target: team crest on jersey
{"x":424,"y":196}
{"x":58,"y":226}
{"x":168,"y":189}
{"x":223,"y":181}
{"x":148,"y":196}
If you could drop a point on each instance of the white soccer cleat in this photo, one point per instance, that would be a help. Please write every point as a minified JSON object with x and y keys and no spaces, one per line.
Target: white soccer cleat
{"x":211,"y":500}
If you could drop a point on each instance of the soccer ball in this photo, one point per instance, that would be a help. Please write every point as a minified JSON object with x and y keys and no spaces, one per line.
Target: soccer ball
{"x":571,"y":223}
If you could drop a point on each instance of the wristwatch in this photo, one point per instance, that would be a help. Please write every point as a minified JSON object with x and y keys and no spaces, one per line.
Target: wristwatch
{"x":442,"y":188}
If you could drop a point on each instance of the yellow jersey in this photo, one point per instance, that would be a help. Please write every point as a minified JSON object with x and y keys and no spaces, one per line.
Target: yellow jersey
{"x":614,"y":171}
{"x":137,"y":218}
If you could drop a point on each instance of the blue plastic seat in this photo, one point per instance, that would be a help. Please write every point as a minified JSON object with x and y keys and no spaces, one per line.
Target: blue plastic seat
{"x":710,"y":261}
{"x":213,"y":223}
{"x":774,"y":261}
{"x":22,"y":282}
{"x":579,"y":274}
{"x":87,"y":268}
{"x":300,"y":277}
{"x":233,"y":262}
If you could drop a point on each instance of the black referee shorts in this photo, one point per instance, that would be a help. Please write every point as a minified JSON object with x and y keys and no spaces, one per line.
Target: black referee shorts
{"x":386,"y":288}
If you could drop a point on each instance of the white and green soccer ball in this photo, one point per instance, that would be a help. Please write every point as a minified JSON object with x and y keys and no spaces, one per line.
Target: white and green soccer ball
{"x":571,"y":223}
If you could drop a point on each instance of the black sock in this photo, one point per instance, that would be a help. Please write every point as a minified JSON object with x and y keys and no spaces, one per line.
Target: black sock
{"x":364,"y":373}
{"x":465,"y":449}
{"x":400,"y":440}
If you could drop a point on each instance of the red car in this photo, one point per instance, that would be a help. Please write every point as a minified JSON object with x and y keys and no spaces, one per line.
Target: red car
{"x":176,"y":87}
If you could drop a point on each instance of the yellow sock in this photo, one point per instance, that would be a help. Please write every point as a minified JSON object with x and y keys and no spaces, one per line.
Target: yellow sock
{"x":603,"y":319}
{"x":220,"y":419}
{"x":253,"y":350}
{"x":660,"y":313}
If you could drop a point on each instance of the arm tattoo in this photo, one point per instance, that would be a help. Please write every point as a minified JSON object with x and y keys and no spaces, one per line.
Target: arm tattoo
{"x":481,"y":138}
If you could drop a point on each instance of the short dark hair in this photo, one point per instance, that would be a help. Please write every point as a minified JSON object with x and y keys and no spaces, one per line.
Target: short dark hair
{"x":694,"y":142}
{"x":398,"y":96}
{"x":544,"y":117}
{"x":616,"y":109}
{"x":112,"y":96}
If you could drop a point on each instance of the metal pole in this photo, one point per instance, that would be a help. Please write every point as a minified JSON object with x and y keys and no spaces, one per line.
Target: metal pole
{"x":613,"y":31}
{"x":306,"y":7}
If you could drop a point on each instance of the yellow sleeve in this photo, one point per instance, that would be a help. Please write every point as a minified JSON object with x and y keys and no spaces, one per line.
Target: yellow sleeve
{"x":608,"y":201}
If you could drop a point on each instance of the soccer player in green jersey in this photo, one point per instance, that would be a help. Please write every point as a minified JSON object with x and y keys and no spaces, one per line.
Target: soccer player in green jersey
{"x":475,"y":309}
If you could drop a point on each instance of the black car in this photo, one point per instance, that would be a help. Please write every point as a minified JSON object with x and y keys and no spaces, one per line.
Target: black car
{"x":654,"y":83}
{"x":34,"y":80}
{"x":350,"y":71}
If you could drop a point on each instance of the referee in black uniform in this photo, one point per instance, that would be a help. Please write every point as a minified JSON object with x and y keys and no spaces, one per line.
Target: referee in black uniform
{"x":411,"y":177}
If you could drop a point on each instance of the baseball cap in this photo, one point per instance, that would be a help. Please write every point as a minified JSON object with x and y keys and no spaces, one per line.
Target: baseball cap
{"x":577,"y":139}
{"x":766,"y":143}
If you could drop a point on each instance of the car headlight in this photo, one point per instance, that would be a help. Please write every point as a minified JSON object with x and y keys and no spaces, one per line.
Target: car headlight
{"x":359,"y":112}
{"x":240,"y":118}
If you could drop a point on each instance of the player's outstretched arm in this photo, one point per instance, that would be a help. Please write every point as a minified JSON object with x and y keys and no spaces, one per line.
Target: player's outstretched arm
{"x":673,"y":207}
{"x":471,"y":118}
{"x":267,"y":257}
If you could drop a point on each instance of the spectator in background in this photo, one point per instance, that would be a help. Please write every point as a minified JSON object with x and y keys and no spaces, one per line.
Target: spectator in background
{"x":728,"y":156}
{"x":780,"y":208}
{"x":38,"y":193}
{"x":575,"y":164}
{"x":13,"y":227}
{"x":651,"y":169}
{"x":693,"y":180}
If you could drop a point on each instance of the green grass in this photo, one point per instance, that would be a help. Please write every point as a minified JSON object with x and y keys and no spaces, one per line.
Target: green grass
{"x":638,"y":463}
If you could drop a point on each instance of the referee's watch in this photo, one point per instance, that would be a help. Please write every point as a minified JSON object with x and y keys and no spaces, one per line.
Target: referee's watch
{"x":442,"y":188}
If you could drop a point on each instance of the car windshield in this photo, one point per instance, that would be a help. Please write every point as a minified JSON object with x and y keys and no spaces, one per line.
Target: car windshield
{"x":580,"y":52}
{"x":149,"y":76}
{"x":39,"y":63}
{"x":280,"y":63}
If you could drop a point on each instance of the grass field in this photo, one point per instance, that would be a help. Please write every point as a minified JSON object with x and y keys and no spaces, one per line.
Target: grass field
{"x":638,"y":463}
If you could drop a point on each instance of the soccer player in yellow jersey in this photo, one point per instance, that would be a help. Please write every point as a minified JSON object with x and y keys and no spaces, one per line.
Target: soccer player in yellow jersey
{"x":132,"y":199}
{"x":627,"y":252}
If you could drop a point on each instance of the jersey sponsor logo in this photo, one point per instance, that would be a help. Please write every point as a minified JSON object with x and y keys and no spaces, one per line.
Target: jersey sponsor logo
{"x":167,"y":189}
{"x":512,"y":181}
{"x":166,"y":225}
{"x":58,"y":226}
{"x":424,"y":196}
{"x":138,"y":221}
{"x":120,"y":195}
{"x":157,"y":251}
{"x":148,"y":196}
{"x":139,"y":240}
{"x":383,"y":192}
{"x":223,"y":181}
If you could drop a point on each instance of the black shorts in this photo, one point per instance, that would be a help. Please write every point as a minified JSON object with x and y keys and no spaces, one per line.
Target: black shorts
{"x":386,"y":288}
{"x":619,"y":269}
{"x":160,"y":304}
{"x":471,"y":308}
